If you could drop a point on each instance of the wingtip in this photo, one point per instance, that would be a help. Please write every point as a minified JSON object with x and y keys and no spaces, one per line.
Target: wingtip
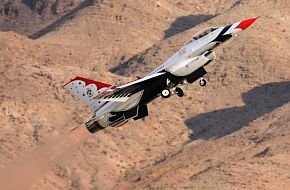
{"x":72,"y":79}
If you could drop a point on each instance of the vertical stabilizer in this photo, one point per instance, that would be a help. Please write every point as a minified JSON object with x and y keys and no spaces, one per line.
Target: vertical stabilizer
{"x":87,"y":89}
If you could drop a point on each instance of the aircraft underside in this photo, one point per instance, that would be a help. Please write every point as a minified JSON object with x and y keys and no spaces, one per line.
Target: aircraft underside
{"x":165,"y":86}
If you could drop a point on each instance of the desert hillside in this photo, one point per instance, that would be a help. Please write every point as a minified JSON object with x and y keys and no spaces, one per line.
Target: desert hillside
{"x":232,"y":134}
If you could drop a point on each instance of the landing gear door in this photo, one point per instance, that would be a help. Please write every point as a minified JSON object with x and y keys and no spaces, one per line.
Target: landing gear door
{"x":142,"y":112}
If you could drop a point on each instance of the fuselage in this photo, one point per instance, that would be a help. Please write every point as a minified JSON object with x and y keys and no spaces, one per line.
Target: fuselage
{"x":192,"y":49}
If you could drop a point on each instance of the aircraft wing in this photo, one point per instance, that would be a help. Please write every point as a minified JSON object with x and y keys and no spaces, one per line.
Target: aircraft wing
{"x":124,"y":92}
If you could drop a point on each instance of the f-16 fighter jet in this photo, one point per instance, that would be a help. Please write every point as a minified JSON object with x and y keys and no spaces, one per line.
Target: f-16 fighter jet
{"x":114,"y":105}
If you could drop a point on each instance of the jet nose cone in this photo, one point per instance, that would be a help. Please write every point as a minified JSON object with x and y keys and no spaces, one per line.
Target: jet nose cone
{"x":246,"y":23}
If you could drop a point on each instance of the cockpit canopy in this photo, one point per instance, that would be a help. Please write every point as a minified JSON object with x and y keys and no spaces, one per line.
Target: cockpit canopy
{"x":203,"y":33}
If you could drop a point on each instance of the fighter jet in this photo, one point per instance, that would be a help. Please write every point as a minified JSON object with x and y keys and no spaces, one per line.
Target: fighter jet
{"x":114,"y":105}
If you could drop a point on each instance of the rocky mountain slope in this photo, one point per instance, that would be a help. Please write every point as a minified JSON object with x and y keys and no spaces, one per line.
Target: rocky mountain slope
{"x":30,"y":16}
{"x":233,"y":134}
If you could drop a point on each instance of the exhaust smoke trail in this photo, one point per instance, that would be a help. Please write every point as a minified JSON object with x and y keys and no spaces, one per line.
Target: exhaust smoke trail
{"x":25,"y":171}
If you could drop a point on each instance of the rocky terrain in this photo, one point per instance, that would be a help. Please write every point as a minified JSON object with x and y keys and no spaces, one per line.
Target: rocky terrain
{"x":31,"y":16}
{"x":232,"y":134}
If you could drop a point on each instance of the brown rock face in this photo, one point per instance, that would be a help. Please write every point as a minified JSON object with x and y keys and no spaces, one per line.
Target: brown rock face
{"x":29,"y":16}
{"x":232,"y":134}
{"x":61,"y":6}
{"x":50,"y":6}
